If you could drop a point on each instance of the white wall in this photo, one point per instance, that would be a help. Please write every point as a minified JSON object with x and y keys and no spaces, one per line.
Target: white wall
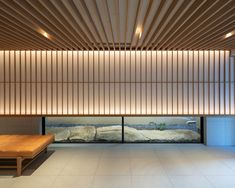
{"x":20,"y":125}
{"x":220,"y":131}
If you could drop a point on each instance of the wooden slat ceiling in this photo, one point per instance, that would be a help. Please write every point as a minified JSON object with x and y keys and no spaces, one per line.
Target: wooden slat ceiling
{"x":117,"y":24}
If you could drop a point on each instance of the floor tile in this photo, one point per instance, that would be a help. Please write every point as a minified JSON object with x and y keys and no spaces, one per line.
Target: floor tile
{"x":116,"y":152}
{"x":178,"y":166}
{"x":229,"y":162}
{"x":142,"y":153}
{"x":146,"y":166}
{"x":6,"y":182}
{"x":114,"y":166}
{"x":190,"y":181}
{"x":78,"y":166}
{"x":222,"y":181}
{"x":151,"y":182}
{"x":112,"y":182}
{"x":212,"y":167}
{"x":72,"y":181}
{"x":33,"y":182}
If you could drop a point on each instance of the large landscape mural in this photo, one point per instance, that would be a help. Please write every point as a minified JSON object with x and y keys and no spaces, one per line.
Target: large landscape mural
{"x":136,"y":129}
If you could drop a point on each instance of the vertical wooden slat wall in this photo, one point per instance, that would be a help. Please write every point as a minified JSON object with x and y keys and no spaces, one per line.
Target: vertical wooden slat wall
{"x":117,"y":83}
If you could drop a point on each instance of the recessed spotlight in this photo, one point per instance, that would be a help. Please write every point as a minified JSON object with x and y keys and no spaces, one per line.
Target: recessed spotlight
{"x":45,"y":35}
{"x":228,"y":34}
{"x":138,"y":31}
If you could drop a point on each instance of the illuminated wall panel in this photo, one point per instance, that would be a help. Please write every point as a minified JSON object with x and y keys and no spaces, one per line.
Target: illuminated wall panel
{"x":116,"y":82}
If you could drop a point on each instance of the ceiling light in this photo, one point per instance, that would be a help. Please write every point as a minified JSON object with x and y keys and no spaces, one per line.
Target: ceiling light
{"x":138,"y":31}
{"x":45,"y":35}
{"x":228,"y":34}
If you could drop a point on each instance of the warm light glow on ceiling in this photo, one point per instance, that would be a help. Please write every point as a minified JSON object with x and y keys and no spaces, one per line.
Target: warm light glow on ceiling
{"x":229,"y":34}
{"x":44,"y":33}
{"x":138,"y":31}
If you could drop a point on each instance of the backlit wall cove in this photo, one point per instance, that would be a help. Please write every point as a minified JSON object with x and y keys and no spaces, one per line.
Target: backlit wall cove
{"x":116,"y":83}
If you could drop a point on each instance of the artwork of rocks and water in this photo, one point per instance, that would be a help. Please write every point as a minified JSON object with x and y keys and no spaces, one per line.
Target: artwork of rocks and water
{"x":174,"y":129}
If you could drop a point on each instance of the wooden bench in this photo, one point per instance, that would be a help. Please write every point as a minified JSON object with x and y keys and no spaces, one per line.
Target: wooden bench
{"x":22,"y":149}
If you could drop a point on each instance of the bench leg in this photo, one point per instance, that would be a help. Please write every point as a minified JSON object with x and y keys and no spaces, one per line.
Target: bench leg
{"x":18,"y":166}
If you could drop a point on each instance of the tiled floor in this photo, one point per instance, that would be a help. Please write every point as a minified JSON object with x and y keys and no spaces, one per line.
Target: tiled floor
{"x":129,"y":165}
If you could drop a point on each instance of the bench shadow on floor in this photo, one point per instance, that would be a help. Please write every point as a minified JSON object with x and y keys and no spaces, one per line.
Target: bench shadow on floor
{"x":29,"y":170}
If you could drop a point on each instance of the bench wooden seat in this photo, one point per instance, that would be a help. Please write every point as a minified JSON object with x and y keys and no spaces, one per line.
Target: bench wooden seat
{"x":21,"y":147}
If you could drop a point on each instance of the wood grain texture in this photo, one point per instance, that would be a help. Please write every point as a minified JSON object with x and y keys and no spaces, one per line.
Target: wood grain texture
{"x":112,"y":24}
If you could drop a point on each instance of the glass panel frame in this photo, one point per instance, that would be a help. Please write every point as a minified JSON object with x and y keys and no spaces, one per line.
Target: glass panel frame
{"x":123,"y":127}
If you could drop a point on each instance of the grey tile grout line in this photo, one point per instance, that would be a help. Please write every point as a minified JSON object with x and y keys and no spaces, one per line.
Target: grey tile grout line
{"x":205,"y":176}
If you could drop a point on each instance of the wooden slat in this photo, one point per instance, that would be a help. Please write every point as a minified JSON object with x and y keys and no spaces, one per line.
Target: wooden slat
{"x":207,"y":24}
{"x":160,"y":25}
{"x":24,"y":16}
{"x":22,"y":25}
{"x":179,"y":25}
{"x":53,"y":26}
{"x":203,"y":13}
{"x":153,"y":22}
{"x":178,"y":14}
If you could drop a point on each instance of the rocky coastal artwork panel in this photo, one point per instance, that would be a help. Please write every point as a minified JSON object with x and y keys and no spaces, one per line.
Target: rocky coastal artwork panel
{"x":85,"y":129}
{"x":136,"y":129}
{"x":162,"y":129}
